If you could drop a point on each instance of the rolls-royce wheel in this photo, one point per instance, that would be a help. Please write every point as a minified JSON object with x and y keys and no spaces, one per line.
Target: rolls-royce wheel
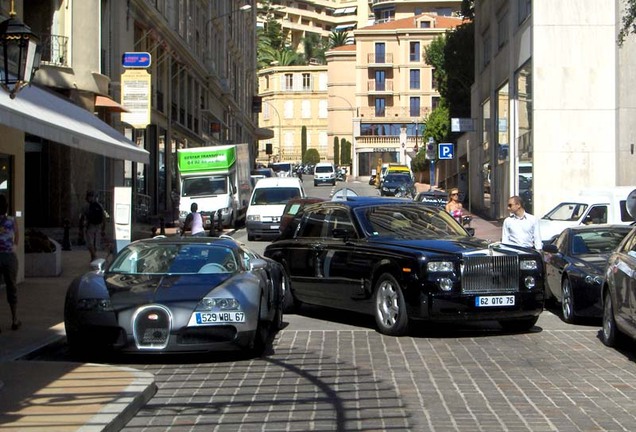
{"x":567,"y":302}
{"x":389,"y":307}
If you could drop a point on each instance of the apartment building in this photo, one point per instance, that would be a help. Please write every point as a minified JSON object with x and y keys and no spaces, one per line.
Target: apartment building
{"x":294,"y":99}
{"x":377,"y":91}
{"x":301,"y":17}
{"x":552,"y":102}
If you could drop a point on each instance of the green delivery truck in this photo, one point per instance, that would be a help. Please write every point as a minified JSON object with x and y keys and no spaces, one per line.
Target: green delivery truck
{"x":217,"y":178}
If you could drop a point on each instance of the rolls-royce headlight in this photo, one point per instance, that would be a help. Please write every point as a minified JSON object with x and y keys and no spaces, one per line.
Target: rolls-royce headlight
{"x":530,"y":282}
{"x":445,"y":284}
{"x":593,"y":280}
{"x":439,"y":266}
{"x":528,"y":265}
{"x":94,"y":304}
{"x":226,"y":303}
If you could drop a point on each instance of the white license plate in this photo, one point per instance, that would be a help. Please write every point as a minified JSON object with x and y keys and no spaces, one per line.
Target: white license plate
{"x":204,"y":318}
{"x":274,"y":227}
{"x":486,"y":301}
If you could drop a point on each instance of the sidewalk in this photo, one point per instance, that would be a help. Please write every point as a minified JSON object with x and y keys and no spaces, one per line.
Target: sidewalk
{"x":60,"y":396}
{"x":66,"y":396}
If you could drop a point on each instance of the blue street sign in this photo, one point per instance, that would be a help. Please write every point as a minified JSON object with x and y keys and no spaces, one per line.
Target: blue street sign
{"x":135,"y":60}
{"x":445,"y":151}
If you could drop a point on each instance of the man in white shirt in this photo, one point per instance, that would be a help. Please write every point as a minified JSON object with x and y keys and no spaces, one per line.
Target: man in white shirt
{"x":521,"y":228}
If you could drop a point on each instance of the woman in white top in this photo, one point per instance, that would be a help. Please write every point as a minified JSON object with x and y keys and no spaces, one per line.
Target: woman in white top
{"x":194,"y":222}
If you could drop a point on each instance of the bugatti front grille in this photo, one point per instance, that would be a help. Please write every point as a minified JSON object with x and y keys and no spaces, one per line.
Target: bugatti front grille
{"x":490,"y":274}
{"x":151,"y":327}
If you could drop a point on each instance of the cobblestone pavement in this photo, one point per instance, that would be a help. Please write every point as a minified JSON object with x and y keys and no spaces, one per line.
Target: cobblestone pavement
{"x":341,"y":377}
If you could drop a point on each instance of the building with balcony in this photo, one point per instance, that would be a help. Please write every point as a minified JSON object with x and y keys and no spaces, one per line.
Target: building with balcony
{"x":552,"y":102}
{"x":294,"y":97}
{"x":202,"y":80}
{"x":299,"y":18}
{"x":392,"y":89}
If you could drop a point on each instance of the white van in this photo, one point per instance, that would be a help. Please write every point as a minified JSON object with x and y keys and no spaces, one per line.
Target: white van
{"x":591,"y":206}
{"x":324,"y":172}
{"x":267,"y":204}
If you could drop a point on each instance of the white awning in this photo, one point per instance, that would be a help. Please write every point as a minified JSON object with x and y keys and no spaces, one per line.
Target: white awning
{"x":342,"y":27}
{"x":44,"y":114}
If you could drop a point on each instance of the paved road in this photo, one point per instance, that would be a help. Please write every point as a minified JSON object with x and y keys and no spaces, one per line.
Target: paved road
{"x":332,"y":371}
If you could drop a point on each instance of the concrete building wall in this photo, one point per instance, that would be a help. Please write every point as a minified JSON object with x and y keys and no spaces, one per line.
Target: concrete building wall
{"x":581,"y":104}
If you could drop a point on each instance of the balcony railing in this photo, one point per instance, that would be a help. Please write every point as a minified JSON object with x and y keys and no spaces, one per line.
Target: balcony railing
{"x":380,"y":59}
{"x":396,"y":113}
{"x":380,"y":86}
{"x":54,"y":50}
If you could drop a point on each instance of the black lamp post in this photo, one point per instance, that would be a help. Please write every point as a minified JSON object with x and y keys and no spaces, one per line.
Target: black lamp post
{"x":19,"y":54}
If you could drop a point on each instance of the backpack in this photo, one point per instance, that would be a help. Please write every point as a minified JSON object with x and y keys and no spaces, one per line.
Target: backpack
{"x":95,"y":214}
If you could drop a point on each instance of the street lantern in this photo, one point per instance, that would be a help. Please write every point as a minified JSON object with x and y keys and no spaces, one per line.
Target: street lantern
{"x":19,"y":54}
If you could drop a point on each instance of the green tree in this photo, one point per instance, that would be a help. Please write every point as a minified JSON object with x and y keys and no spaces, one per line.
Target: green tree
{"x":303,"y":141}
{"x":345,"y":153}
{"x":312,"y":156}
{"x":336,"y":151}
{"x":314,"y":48}
{"x":338,"y":38}
{"x":628,"y":21}
{"x":438,"y":128}
{"x":452,"y":57}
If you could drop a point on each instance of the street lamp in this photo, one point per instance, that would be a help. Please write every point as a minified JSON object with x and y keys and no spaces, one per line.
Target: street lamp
{"x":280,"y":147}
{"x":19,"y":54}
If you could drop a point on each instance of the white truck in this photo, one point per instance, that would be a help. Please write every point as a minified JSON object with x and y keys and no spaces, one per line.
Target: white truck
{"x":217,"y":178}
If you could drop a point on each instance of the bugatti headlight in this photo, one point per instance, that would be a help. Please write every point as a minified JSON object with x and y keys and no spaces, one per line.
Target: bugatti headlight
{"x":94,"y":305}
{"x":528,"y":265}
{"x":225,"y":303}
{"x":439,"y":266}
{"x":254,"y":218}
{"x":593,"y":280}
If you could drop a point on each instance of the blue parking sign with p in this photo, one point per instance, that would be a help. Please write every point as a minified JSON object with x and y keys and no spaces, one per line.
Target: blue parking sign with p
{"x":445,"y":151}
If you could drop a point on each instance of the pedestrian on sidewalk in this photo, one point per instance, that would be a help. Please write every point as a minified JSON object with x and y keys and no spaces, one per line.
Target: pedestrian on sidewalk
{"x":194,"y":222}
{"x":93,"y":222}
{"x":521,"y":228}
{"x":454,"y":205}
{"x":9,"y":236}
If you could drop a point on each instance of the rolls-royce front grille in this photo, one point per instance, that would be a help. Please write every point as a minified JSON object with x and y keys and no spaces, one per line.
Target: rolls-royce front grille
{"x":151,"y":327}
{"x":490,"y":274}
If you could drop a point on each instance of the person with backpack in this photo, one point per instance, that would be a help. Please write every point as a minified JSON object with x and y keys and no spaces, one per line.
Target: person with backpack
{"x":93,"y":223}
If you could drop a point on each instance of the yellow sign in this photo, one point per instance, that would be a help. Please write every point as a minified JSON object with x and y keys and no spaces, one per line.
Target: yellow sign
{"x":135,"y":97}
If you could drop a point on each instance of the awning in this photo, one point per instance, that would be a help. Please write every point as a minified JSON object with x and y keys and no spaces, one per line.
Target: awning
{"x":44,"y":114}
{"x":109,"y":104}
{"x":264,"y":133}
{"x":342,"y":27}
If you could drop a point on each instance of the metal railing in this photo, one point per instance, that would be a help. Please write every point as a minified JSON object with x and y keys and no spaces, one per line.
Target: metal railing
{"x":54,"y":50}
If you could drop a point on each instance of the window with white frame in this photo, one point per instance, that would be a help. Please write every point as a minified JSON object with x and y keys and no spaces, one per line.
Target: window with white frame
{"x":306,"y":81}
{"x":289,"y":82}
{"x":306,"y":109}
{"x":289,"y":109}
{"x":322,"y":109}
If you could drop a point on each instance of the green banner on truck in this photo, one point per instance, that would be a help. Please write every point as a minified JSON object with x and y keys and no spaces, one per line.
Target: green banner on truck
{"x":219,"y":158}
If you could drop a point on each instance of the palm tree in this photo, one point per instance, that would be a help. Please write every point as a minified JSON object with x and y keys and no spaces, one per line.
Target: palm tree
{"x":339,"y":38}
